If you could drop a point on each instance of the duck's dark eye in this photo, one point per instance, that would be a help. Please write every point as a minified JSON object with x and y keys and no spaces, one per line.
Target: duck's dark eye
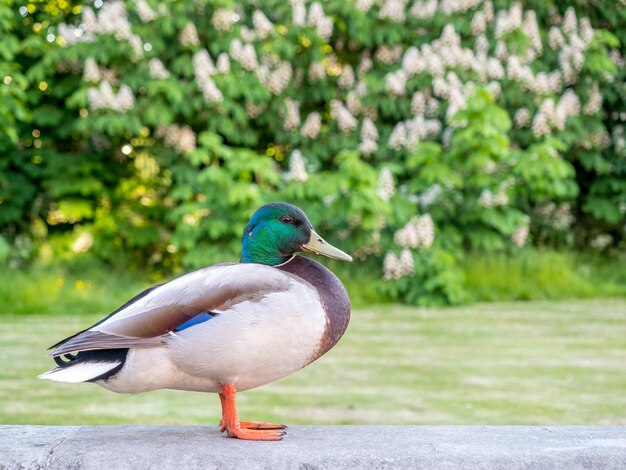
{"x":286,"y":219}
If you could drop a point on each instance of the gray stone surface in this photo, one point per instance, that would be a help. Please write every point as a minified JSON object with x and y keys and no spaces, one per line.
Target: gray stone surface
{"x":314,"y":447}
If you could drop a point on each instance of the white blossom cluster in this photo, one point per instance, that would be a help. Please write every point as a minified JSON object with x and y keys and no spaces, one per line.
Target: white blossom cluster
{"x":406,"y":134}
{"x":388,"y":54}
{"x":396,"y":82}
{"x":393,"y":10}
{"x":411,"y":61}
{"x":317,"y":72}
{"x":423,"y":9}
{"x":91,"y":72}
{"x":509,"y":20}
{"x":617,"y":58}
{"x":369,"y":137}
{"x":449,"y":50}
{"x":570,"y":22}
{"x":365,"y":64}
{"x":568,"y":106}
{"x":323,"y":24}
{"x":386,"y":185}
{"x":422,"y":102}
{"x":562,"y":218}
{"x":370,"y":248}
{"x":488,"y":199}
{"x":520,"y":235}
{"x":598,"y":139}
{"x":338,"y":111}
{"x":223,"y":19}
{"x":479,"y":23}
{"x":594,"y":102}
{"x":546,"y":83}
{"x":353,"y":100}
{"x":522,"y":117}
{"x":298,"y":12}
{"x":601,"y":242}
{"x":458,"y":6}
{"x":515,"y":19}
{"x":274,"y":73}
{"x":559,"y":217}
{"x":180,"y":138}
{"x":419,"y":101}
{"x":109,"y":75}
{"x":247,"y":34}
{"x":222,"y":64}
{"x":82,"y":243}
{"x":312,"y":125}
{"x":571,"y":59}
{"x":517,"y":70}
{"x":280,"y":77}
{"x":554,"y":116}
{"x":530,"y":28}
{"x":493,"y":69}
{"x":618,"y":137}
{"x":189,"y":35}
{"x":253,"y":110}
{"x":446,"y":52}
{"x":397,"y":138}
{"x":103,"y":97}
{"x":501,"y":52}
{"x":157,"y":69}
{"x":203,"y":68}
{"x":555,"y":38}
{"x":572,"y":51}
{"x":245,"y":54}
{"x":71,"y":34}
{"x":453,"y":90}
{"x":347,"y":78}
{"x":297,"y":167}
{"x":292,"y":115}
{"x":419,"y":231}
{"x":145,"y":12}
{"x":112,"y":18}
{"x":428,"y":197}
{"x":262,"y":25}
{"x":444,"y":56}
{"x":364,"y":5}
{"x":395,"y":267}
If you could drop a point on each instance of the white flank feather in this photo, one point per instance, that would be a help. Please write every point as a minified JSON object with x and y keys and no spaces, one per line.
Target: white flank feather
{"x":80,"y":372}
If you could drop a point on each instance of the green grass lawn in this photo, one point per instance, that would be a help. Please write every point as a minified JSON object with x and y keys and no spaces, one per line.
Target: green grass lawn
{"x":503,"y":363}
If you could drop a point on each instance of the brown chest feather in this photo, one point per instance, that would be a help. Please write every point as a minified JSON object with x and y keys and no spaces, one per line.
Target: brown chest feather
{"x":332,"y":294}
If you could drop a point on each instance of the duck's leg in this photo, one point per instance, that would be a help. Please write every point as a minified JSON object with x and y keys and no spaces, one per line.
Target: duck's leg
{"x":249,"y":424}
{"x":246,"y":429}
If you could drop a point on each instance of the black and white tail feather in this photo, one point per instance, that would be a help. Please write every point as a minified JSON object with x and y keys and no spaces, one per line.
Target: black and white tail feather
{"x":87,"y":366}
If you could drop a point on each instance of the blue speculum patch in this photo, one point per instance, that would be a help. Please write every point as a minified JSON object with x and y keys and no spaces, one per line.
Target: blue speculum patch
{"x":200,"y":318}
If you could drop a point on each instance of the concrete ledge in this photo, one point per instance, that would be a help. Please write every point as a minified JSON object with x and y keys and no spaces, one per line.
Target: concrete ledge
{"x":314,"y":447}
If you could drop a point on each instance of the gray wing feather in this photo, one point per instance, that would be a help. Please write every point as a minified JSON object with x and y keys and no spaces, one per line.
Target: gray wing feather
{"x":90,"y":340}
{"x":142,"y":323}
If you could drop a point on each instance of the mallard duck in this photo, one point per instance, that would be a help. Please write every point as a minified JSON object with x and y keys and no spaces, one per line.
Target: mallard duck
{"x":226,"y":328}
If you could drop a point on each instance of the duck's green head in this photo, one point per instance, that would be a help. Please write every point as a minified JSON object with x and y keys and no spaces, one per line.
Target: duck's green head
{"x":279,"y":230}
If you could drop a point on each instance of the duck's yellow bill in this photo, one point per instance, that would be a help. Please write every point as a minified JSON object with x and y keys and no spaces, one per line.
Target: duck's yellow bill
{"x":319,"y":246}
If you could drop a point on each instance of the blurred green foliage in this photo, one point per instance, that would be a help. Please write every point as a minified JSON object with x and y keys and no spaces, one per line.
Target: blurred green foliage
{"x":144,"y":134}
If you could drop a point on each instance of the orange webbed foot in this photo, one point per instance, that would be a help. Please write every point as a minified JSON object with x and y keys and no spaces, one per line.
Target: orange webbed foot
{"x":255,"y":425}
{"x":248,"y":430}
{"x":256,"y":434}
{"x":260,"y":425}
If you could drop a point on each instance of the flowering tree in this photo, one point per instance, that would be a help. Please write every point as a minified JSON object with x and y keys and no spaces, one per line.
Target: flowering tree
{"x":412,"y":129}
